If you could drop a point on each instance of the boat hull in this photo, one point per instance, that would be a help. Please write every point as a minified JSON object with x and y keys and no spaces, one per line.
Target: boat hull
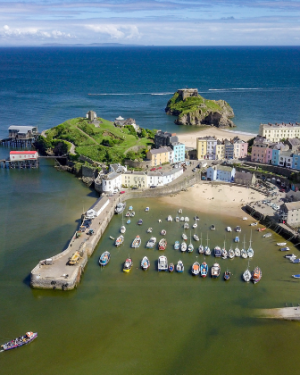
{"x":7,"y":346}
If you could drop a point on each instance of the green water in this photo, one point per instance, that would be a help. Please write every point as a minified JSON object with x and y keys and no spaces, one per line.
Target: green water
{"x":141,"y":322}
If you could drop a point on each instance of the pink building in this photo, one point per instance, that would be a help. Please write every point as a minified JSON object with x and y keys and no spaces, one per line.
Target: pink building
{"x":240,"y":149}
{"x":260,"y":150}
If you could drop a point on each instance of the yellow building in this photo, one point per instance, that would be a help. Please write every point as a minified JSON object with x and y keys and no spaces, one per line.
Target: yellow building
{"x":201,"y":148}
{"x":220,"y":150}
{"x":159,"y":156}
{"x":138,"y":179}
{"x":276,"y":132}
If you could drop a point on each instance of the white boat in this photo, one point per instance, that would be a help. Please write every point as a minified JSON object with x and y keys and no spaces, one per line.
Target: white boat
{"x":120,"y":207}
{"x":253,"y":224}
{"x":267,"y":235}
{"x":237,"y":252}
{"x":177,"y":219}
{"x":285,"y":249}
{"x":149,"y":230}
{"x":145,"y":263}
{"x":228,"y":229}
{"x":151,"y":243}
{"x":207,"y":250}
{"x":163,"y":232}
{"x":183,"y":247}
{"x":182,"y":218}
{"x":119,"y":240}
{"x":195,"y":268}
{"x":136,"y":242}
{"x":238,"y":229}
{"x":290,"y":256}
{"x":243,"y":251}
{"x":180,"y":211}
{"x":159,"y":220}
{"x":186,"y":219}
{"x":184,"y":236}
{"x":162,"y":263}
{"x":215,"y":270}
{"x":179,"y":266}
{"x":281,"y":243}
{"x":212,"y":227}
{"x":186,"y":226}
{"x":247,"y":274}
{"x":250,"y":251}
{"x":195,"y":225}
{"x":201,"y":249}
{"x":147,"y":209}
{"x":170,"y":218}
{"x":224,"y":254}
{"x":245,"y":218}
{"x":123,"y":229}
{"x":231,"y":254}
{"x":195,"y":237}
{"x":197,"y":218}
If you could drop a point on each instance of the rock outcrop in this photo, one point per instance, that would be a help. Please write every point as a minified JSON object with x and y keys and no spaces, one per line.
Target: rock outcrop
{"x":192,"y":109}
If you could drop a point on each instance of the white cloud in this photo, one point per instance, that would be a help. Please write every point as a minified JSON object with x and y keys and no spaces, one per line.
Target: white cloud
{"x":117,"y":32}
{"x":35,"y":32}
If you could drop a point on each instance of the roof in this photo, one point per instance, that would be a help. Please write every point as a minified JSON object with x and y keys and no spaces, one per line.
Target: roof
{"x":293,"y":205}
{"x":99,"y":203}
{"x":22,"y":128}
{"x":221,"y":168}
{"x":280,"y":125}
{"x":120,"y":118}
{"x":111,"y":175}
{"x":23,"y":152}
{"x":286,"y":153}
{"x":160,"y":150}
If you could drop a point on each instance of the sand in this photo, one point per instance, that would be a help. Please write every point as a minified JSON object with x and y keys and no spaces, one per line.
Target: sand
{"x":226,"y":199}
{"x":189,"y":139}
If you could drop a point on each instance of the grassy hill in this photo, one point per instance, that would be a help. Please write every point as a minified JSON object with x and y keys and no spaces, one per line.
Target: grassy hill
{"x":105,"y":143}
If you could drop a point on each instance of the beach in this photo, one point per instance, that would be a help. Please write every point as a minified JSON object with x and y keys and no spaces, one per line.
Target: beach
{"x":189,"y":139}
{"x":224,"y":199}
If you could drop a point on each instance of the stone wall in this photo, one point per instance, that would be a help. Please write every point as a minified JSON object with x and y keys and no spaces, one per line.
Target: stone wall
{"x":89,"y":172}
{"x":138,"y":164}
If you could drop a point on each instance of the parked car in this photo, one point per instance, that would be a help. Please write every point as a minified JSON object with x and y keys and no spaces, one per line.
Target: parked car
{"x":115,"y":191}
{"x":152,"y":186}
{"x":122,"y":192}
{"x":152,"y":169}
{"x":282,"y":190}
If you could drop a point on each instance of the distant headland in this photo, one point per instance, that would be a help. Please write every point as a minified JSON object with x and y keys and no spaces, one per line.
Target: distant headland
{"x":192,"y":109}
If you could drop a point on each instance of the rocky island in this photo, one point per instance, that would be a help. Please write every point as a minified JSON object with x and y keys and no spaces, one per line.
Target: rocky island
{"x":192,"y":109}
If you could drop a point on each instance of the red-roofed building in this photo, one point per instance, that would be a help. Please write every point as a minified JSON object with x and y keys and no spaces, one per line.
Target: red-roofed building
{"x":23,"y":155}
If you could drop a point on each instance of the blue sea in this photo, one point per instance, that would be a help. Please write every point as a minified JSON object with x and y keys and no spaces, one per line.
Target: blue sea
{"x":45,"y":86}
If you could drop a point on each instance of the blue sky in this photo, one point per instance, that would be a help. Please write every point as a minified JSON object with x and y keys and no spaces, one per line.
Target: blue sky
{"x":150,"y":22}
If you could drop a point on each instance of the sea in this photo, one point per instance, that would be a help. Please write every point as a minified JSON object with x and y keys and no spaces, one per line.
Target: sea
{"x":141,"y":322}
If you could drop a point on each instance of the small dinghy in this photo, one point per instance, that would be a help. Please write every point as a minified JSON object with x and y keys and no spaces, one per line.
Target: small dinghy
{"x":119,"y":241}
{"x":285,"y":249}
{"x":196,"y":218}
{"x":294,"y":260}
{"x":184,"y":236}
{"x":195,"y":237}
{"x":237,"y":239}
{"x":149,"y":230}
{"x":123,"y":229}
{"x":297,"y":276}
{"x":215,"y":270}
{"x":204,"y":269}
{"x":171,"y":267}
{"x":132,"y":214}
{"x":245,"y":218}
{"x":261,"y":229}
{"x":162,"y":263}
{"x":162,"y":244}
{"x":104,"y":259}
{"x":140,"y":222}
{"x":177,"y":219}
{"x":227,"y":275}
{"x":267,"y":235}
{"x":128,"y":221}
{"x":176,"y":245}
{"x":186,"y":226}
{"x":281,"y":243}
{"x":147,"y":209}
{"x":183,"y":247}
{"x":136,"y":242}
{"x":201,"y":249}
{"x":19,"y":341}
{"x":130,"y":208}
{"x":224,"y":254}
{"x":179,"y":266}
{"x":145,"y":263}
{"x":195,"y":269}
{"x":256,"y":275}
{"x":231,"y":254}
{"x":159,"y":220}
{"x":186,"y":219}
{"x":127,"y":265}
{"x":151,"y":243}
{"x":195,"y":225}
{"x":170,"y":218}
{"x":244,"y":254}
{"x":212,"y":227}
{"x":182,"y":218}
{"x":228,"y":229}
{"x":127,"y":214}
{"x":237,"y":252}
{"x":253,"y":224}
{"x":163,"y":232}
{"x":238,"y":228}
{"x":217,"y":252}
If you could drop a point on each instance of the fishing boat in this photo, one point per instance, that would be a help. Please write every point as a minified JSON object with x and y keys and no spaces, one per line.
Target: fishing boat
{"x":228,"y":229}
{"x":215,"y":270}
{"x":237,"y":252}
{"x":19,"y":341}
{"x":140,"y":222}
{"x":217,"y":252}
{"x":186,"y":219}
{"x":253,"y":224}
{"x":127,"y":265}
{"x":162,"y":244}
{"x":149,"y":230}
{"x":195,"y":269}
{"x":163,"y":232}
{"x":151,"y":243}
{"x":250,"y":251}
{"x":130,"y":208}
{"x":195,"y":237}
{"x":285,"y":249}
{"x":147,"y":209}
{"x":195,"y":225}
{"x":176,"y":245}
{"x":186,"y":226}
{"x":297,"y":276}
{"x":227,"y":275}
{"x":162,"y":263}
{"x":207,"y":249}
{"x":267,"y":235}
{"x":237,"y":239}
{"x":256,"y":275}
{"x":136,"y":242}
{"x":183,"y":247}
{"x":196,"y":218}
{"x":203,"y":269}
{"x":182,"y":218}
{"x":212,"y":227}
{"x":190,"y":248}
{"x":119,"y":241}
{"x":180,"y":211}
{"x":132,"y":214}
{"x":261,"y":229}
{"x":281,"y":243}
{"x":104,"y":259}
{"x":177,"y":219}
{"x":127,"y":214}
{"x":170,"y":218}
{"x":179,"y":266}
{"x":128,"y":221}
{"x":171,"y":267}
{"x":238,"y":228}
{"x":120,"y":207}
{"x":145,"y":263}
{"x":184,"y":236}
{"x":231,"y":253}
{"x":123,"y":229}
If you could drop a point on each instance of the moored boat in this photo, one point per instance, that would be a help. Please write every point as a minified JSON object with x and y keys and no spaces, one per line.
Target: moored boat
{"x":190,"y":248}
{"x":130,"y":208}
{"x":201,"y":249}
{"x":170,"y":218}
{"x":162,"y":263}
{"x":104,"y":259}
{"x":163,"y":232}
{"x":256,"y":275}
{"x":237,"y":252}
{"x":132,"y":214}
{"x":136,"y":242}
{"x":261,"y":229}
{"x":127,"y":265}
{"x":183,"y":247}
{"x":182,"y":218}
{"x":186,"y":226}
{"x":195,"y":269}
{"x":285,"y":249}
{"x":147,"y":209}
{"x":250,"y":252}
{"x":195,"y":225}
{"x":151,"y":243}
{"x":196,"y":218}
{"x":281,"y":243}
{"x":238,"y":228}
{"x":128,"y":221}
{"x":186,"y":219}
{"x":184,"y":236}
{"x":177,"y":219}
{"x":149,"y":230}
{"x":180,"y":211}
{"x":267,"y":235}
{"x":217,"y":252}
{"x":228,"y":229}
{"x":162,"y":244}
{"x":195,"y":237}
{"x":20,"y":341}
{"x":120,"y":207}
{"x":203,"y":269}
{"x":119,"y":241}
{"x":297,"y":276}
{"x":140,"y":222}
{"x":212,"y":227}
{"x":123,"y":229}
{"x":244,"y":254}
{"x":215,"y":270}
{"x":237,"y":239}
{"x":145,"y":263}
{"x":179,"y":266}
{"x":176,"y":245}
{"x":253,"y":224}
{"x":247,"y":275}
{"x":224,"y":254}
{"x":171,"y":267}
{"x":127,"y":214}
{"x":227,"y":275}
{"x":231,"y":254}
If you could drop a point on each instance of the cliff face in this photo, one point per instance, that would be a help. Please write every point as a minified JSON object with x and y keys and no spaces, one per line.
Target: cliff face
{"x":192,"y":109}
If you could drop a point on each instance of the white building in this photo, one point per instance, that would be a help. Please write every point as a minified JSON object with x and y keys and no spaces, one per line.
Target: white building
{"x":111,"y":181}
{"x":285,"y":159}
{"x":292,"y":211}
{"x":23,"y":155}
{"x":276,"y":132}
{"x":97,"y":208}
{"x":220,"y":173}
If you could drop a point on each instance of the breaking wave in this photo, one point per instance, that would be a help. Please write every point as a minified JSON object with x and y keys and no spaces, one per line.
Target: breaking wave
{"x":132,"y":93}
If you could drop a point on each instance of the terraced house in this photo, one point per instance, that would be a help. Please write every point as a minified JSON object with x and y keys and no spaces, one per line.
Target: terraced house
{"x":277,"y":132}
{"x":159,"y":156}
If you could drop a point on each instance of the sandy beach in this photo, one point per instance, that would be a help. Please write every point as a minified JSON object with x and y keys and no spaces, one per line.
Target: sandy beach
{"x":189,"y":139}
{"x":224,"y":199}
